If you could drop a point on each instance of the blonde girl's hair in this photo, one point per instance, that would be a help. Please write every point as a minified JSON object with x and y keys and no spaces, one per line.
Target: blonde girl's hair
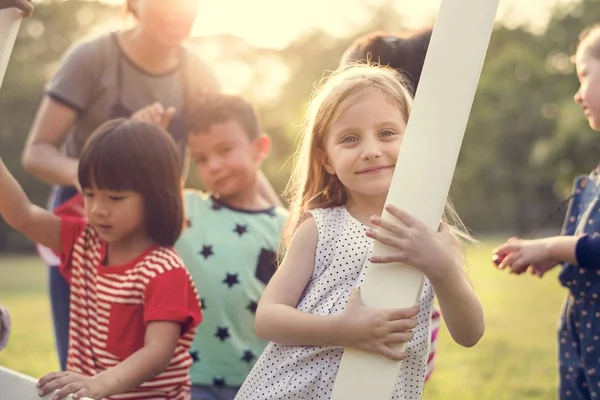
{"x":310,"y":185}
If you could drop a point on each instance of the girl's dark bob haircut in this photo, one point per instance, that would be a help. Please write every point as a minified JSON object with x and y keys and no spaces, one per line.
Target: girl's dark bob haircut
{"x":124,"y":154}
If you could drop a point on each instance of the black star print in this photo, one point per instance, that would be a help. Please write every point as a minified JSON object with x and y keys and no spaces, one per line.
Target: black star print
{"x":222,"y":333}
{"x":194,"y":355}
{"x":271,"y":212}
{"x":203,"y":303}
{"x":240,"y":229}
{"x":252,"y":307}
{"x":248,"y":356}
{"x":219,"y":382}
{"x":266,"y":265}
{"x":231,"y":280}
{"x":216,"y":205}
{"x":206,"y":251}
{"x":188,"y":223}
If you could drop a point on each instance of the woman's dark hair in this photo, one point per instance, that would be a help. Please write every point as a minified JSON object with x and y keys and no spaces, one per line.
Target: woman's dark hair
{"x":123,"y":154}
{"x":405,"y":53}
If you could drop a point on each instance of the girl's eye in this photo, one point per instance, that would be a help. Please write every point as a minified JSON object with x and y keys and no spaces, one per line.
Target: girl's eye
{"x":349,"y":139}
{"x":116,"y":198}
{"x":387,"y":133}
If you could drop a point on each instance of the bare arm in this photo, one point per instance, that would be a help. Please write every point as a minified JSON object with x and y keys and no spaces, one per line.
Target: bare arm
{"x":42,"y":156}
{"x":267,"y":191}
{"x":152,"y":359}
{"x":277,"y":318}
{"x":519,"y":255}
{"x":34,"y":222}
{"x":439,"y":256}
{"x":461,"y":309}
{"x":563,"y":248}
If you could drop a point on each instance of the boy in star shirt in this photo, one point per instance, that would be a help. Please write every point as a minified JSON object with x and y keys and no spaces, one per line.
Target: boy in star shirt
{"x":230,"y":243}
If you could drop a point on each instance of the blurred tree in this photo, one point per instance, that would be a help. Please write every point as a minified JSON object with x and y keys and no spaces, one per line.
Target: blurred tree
{"x":525,"y":139}
{"x":43,"y":38}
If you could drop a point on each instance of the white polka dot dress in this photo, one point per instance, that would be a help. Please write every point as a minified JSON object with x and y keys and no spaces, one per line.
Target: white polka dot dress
{"x":308,"y":372}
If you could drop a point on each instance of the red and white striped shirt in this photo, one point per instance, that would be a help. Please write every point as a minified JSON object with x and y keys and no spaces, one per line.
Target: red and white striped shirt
{"x":111,"y":305}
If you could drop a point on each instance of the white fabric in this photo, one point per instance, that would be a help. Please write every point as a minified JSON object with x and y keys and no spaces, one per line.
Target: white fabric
{"x":308,"y":372}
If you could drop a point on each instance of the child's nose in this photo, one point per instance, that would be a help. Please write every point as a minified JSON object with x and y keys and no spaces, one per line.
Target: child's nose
{"x":578,"y":99}
{"x":371,"y":150}
{"x":99,"y":209}
{"x":214,"y":164}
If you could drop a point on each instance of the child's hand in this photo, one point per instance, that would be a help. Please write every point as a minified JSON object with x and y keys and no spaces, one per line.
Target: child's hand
{"x":540,"y":269}
{"x":519,"y":255}
{"x":155,"y":114}
{"x":70,"y":383}
{"x":433,"y":253}
{"x":377,"y":330}
{"x":24,"y":5}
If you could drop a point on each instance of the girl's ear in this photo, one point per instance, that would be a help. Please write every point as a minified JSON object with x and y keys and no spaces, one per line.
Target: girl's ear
{"x":324,"y":159}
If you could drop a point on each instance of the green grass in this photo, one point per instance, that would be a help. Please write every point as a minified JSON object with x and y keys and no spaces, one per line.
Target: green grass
{"x":516,"y":357}
{"x":514,"y":360}
{"x":23,"y":290}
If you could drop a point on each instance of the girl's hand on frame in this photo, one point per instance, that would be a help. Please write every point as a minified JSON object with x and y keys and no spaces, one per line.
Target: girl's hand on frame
{"x":415,"y":244}
{"x":377,"y":330}
{"x":70,"y":383}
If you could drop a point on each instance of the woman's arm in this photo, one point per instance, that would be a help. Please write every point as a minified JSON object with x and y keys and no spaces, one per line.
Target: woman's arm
{"x":267,"y":191}
{"x":42,"y":156}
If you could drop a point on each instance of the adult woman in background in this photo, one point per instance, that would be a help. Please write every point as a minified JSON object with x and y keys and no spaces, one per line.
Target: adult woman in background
{"x":110,"y":76}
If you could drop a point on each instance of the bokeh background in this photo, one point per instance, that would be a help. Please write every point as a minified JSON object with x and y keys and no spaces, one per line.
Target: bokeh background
{"x":526,"y":140}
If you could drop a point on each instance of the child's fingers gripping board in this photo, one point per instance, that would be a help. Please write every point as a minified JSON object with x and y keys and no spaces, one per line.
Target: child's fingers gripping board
{"x":17,"y":386}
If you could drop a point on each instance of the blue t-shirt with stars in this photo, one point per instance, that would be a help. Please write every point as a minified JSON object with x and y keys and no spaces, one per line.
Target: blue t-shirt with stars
{"x":231,"y":255}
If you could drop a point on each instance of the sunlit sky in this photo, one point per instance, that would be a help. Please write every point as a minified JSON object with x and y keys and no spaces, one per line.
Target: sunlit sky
{"x":274,"y":23}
